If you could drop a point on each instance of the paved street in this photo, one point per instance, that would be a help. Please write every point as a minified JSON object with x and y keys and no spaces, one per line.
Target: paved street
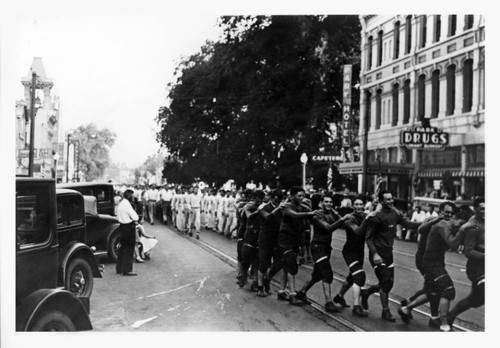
{"x":190,"y":285}
{"x":185,"y":288}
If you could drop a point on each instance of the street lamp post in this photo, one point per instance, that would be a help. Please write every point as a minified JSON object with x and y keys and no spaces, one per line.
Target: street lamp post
{"x":303,"y":160}
{"x":67,"y":158}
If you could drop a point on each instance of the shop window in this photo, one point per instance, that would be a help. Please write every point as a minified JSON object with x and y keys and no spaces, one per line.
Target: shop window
{"x":450,"y":90}
{"x":467,"y":87}
{"x":406,"y":101}
{"x":397,"y":26}
{"x":435,"y":94}
{"x":393,"y":155}
{"x":437,"y":28}
{"x":475,"y":156}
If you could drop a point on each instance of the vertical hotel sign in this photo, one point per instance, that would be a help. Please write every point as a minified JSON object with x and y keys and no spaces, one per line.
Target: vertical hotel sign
{"x":346,"y":109}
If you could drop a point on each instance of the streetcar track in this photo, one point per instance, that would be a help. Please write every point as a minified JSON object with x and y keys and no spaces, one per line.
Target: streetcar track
{"x":315,"y":305}
{"x":233,"y":263}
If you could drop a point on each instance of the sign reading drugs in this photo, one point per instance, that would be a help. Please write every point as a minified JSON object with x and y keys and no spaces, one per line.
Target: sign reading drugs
{"x":346,"y":110}
{"x":426,"y":138}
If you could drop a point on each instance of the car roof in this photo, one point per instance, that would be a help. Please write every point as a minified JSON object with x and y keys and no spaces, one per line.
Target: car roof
{"x":83,"y":184}
{"x":62,"y":191}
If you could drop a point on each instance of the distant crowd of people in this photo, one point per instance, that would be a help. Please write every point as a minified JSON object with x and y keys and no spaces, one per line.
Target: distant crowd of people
{"x":277,"y":230}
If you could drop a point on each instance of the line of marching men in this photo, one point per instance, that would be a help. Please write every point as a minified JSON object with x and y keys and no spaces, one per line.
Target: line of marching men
{"x":276,"y":230}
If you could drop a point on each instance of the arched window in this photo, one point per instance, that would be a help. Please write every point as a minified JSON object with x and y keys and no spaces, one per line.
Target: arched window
{"x":437,"y":28}
{"x":378,"y":108}
{"x":421,"y":97}
{"x":369,"y":53}
{"x":395,"y":104}
{"x":408,"y":35}
{"x":468,"y":22}
{"x":379,"y":47}
{"x":450,"y":90}
{"x":406,"y":101}
{"x":435,"y":94}
{"x":397,"y":25}
{"x":452,"y":25}
{"x":467,"y":88}
{"x":423,"y":31}
{"x":368,"y":109}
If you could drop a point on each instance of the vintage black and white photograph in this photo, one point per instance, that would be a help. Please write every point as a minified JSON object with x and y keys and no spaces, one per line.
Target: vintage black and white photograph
{"x":178,"y":170}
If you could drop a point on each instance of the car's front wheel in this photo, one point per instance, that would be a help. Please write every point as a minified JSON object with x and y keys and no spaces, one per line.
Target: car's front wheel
{"x":79,"y":278}
{"x":113,"y":246}
{"x":53,"y":320}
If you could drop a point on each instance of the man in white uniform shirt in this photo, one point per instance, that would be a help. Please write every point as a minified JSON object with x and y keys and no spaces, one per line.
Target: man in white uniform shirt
{"x":194,"y":200}
{"x":128,"y":218}
{"x":231,"y":214}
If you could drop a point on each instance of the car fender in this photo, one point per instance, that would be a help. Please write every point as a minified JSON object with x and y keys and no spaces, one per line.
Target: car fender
{"x":72,"y":250}
{"x":101,"y":227}
{"x":45,"y":299}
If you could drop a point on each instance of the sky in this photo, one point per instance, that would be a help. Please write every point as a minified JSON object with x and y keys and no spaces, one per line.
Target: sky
{"x":110,"y":70}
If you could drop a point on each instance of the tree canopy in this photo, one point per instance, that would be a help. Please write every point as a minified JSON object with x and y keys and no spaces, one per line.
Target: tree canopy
{"x":94,"y":145}
{"x":246,"y":107}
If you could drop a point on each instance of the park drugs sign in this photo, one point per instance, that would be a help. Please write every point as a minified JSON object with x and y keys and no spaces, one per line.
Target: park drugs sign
{"x":426,"y":138}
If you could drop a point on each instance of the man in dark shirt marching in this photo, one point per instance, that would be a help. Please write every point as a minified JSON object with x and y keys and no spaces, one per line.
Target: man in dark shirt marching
{"x":325,"y":223}
{"x":290,"y":235}
{"x":380,"y":234}
{"x":473,"y":240}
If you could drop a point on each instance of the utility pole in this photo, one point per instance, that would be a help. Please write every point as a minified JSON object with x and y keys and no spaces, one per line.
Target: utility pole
{"x":32,"y":124}
{"x":67,"y":158}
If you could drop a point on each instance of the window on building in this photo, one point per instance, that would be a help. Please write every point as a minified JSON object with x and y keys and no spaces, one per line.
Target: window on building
{"x":408,"y":35}
{"x":397,"y":26}
{"x":467,"y":88}
{"x":393,"y":155}
{"x":423,"y":30}
{"x":421,"y":97}
{"x":378,"y":108}
{"x":369,"y":53}
{"x":450,"y":157}
{"x":452,"y":25}
{"x":469,"y":22}
{"x":379,"y":47}
{"x":437,"y":28}
{"x":475,"y":155}
{"x":395,"y":104}
{"x":368,"y":109}
{"x":435,"y":94}
{"x":450,"y":90}
{"x":406,"y":101}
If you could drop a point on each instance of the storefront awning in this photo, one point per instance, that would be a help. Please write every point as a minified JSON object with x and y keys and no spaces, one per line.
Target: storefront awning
{"x":374,"y":168}
{"x":439,"y":173}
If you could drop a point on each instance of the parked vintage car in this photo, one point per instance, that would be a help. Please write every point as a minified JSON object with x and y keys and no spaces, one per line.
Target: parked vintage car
{"x":42,"y":304}
{"x":103,"y":192}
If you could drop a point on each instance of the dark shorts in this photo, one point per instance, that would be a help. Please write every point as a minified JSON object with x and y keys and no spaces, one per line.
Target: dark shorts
{"x":477,"y":292}
{"x":268,"y":250}
{"x":438,"y":281}
{"x":352,"y":258}
{"x":322,"y":270}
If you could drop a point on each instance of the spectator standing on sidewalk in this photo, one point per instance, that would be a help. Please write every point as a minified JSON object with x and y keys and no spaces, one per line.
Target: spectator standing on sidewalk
{"x":128,"y":219}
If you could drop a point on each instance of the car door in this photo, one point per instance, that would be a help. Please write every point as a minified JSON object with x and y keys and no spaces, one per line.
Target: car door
{"x":36,"y":238}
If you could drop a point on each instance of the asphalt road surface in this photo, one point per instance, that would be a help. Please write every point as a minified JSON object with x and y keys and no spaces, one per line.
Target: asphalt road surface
{"x":190,"y":285}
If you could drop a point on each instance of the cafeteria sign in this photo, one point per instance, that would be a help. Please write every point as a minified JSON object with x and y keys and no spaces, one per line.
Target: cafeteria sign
{"x":426,"y":138}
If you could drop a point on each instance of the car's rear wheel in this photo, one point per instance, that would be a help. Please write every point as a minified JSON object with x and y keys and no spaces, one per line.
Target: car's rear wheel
{"x":53,"y":320}
{"x":79,"y":279}
{"x":113,"y":246}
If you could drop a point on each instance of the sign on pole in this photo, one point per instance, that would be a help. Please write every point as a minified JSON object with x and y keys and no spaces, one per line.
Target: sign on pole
{"x":346,"y":110}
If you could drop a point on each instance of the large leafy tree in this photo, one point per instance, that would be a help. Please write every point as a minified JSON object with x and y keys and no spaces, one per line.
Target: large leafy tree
{"x":247,"y":106}
{"x":94,"y":145}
